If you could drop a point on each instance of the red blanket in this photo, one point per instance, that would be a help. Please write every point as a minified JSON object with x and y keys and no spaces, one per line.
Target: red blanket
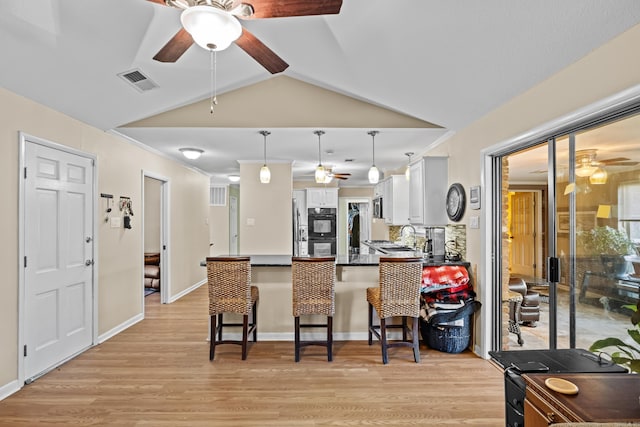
{"x":453,"y":278}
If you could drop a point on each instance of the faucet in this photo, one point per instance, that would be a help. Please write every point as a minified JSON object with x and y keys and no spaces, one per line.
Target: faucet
{"x":413,"y":229}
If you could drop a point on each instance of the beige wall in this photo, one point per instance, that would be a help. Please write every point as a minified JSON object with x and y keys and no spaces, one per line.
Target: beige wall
{"x":119,"y":262}
{"x":269,"y":207}
{"x":152,"y":188}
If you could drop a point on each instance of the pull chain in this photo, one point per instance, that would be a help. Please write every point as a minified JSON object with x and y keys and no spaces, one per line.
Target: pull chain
{"x":214,"y":83}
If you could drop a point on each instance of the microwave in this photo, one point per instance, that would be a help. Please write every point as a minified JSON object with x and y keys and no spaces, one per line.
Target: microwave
{"x":377,"y":207}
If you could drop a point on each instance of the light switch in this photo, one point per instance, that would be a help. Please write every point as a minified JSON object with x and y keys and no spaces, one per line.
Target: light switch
{"x":116,"y":222}
{"x":474,"y":222}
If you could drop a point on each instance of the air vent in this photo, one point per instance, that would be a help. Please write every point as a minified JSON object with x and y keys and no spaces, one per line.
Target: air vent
{"x":218,"y":195}
{"x":138,"y":80}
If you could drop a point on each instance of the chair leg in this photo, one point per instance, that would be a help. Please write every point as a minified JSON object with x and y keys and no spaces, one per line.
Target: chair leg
{"x":404,"y":328}
{"x":212,"y":337}
{"x":245,"y":337}
{"x":255,"y":321}
{"x":370,"y":323}
{"x":416,"y":341}
{"x":220,"y":329}
{"x":330,"y":338}
{"x":383,"y":340}
{"x":297,"y":339}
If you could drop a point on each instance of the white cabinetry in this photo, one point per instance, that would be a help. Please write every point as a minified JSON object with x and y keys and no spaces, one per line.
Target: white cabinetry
{"x":428,"y":191}
{"x":322,"y":197}
{"x":395,"y":200}
{"x":378,"y":189}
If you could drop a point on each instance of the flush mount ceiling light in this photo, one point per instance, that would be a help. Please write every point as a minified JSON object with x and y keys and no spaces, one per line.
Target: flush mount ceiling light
{"x":191,"y":153}
{"x":234,"y":178}
{"x":211,"y":27}
{"x":321,"y":172}
{"x":374,"y":174}
{"x":265,"y":173}
{"x":407,"y":171}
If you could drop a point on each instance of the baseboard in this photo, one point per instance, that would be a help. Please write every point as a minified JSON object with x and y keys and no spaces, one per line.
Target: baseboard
{"x":121,"y":327}
{"x":187,"y":291}
{"x":8,"y":389}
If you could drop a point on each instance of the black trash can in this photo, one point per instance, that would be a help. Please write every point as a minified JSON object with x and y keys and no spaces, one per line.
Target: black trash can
{"x":449,"y":338}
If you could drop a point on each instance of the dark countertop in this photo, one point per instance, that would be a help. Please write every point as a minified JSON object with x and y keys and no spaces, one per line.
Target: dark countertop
{"x":341,"y":260}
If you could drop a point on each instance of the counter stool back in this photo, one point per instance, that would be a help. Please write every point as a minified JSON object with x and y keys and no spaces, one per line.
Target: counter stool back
{"x":313,"y":282}
{"x":397,"y":295}
{"x":230,"y":291}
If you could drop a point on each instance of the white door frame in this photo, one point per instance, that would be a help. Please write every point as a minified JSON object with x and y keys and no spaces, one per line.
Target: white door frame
{"x":165,"y":248}
{"x":24,"y":139}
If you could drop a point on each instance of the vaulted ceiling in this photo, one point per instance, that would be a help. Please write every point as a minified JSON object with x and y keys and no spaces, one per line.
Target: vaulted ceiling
{"x":416,"y":70}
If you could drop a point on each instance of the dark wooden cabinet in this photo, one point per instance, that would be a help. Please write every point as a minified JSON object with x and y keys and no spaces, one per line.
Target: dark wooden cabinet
{"x":601,"y":398}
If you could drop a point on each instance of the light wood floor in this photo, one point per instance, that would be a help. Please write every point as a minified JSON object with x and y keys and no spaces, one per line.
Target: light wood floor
{"x":157,"y":373}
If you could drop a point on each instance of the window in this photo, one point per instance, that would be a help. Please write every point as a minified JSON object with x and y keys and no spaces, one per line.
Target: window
{"x":629,"y":209}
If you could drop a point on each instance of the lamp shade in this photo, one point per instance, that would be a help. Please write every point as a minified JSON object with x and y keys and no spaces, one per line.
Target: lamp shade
{"x":598,"y":177}
{"x":191,"y":153}
{"x":210,"y":27}
{"x":265,"y":174}
{"x":374,"y":175}
{"x":321,"y":174}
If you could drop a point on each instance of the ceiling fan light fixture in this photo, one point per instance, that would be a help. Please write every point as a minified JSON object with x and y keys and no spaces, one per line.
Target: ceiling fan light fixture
{"x":191,"y":153}
{"x":211,"y":28}
{"x":598,"y":177}
{"x":585,"y":170}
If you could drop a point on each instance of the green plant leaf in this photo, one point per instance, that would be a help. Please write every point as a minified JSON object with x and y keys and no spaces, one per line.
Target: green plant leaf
{"x":634,"y":365}
{"x":607,"y":342}
{"x":635,"y":334}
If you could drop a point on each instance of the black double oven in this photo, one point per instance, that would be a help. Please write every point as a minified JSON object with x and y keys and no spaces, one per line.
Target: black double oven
{"x":322,"y":231}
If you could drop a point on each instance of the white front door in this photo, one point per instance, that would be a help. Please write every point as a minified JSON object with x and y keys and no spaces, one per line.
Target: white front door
{"x":58,"y":269}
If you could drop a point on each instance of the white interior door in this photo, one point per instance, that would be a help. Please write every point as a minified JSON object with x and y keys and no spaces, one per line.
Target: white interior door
{"x":58,"y":272}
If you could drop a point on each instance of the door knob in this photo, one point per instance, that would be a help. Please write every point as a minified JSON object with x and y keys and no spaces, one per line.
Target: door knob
{"x":88,"y":262}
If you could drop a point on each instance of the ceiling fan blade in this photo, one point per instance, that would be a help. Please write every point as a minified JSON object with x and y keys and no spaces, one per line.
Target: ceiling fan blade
{"x":630,"y":163}
{"x":261,"y":53}
{"x":613,"y":160}
{"x":284,"y":8}
{"x":174,"y":49}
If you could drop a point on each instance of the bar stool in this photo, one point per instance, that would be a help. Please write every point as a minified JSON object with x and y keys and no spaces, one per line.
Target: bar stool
{"x":397,"y":295}
{"x":313,"y":282}
{"x":230,"y":291}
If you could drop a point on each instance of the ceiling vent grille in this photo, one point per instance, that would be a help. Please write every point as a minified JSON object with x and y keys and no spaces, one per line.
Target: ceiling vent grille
{"x":218,"y":195}
{"x":138,"y":80}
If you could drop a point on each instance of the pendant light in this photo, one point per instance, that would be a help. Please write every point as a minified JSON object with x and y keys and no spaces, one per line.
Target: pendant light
{"x":407,"y":171}
{"x":321,"y":172}
{"x":265,"y":173}
{"x":374,"y":174}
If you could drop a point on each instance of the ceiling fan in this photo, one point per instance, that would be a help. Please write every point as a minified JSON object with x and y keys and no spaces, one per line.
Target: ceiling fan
{"x":586,"y":163}
{"x":220,"y":17}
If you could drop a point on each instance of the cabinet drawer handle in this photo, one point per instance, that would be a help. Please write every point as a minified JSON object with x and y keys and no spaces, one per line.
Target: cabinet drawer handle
{"x":551,"y":417}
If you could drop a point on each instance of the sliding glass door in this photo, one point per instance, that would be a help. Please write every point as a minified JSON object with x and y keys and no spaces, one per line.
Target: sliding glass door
{"x":571,"y":201}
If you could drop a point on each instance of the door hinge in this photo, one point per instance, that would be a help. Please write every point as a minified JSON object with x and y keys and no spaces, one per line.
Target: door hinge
{"x":25,"y":350}
{"x":25,"y":261}
{"x":25,"y":173}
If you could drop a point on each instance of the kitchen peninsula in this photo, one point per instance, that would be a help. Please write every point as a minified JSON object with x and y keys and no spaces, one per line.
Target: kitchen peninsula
{"x":354,"y":274}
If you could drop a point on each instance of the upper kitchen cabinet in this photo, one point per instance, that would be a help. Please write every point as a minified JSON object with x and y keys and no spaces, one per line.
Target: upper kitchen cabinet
{"x":428,"y":191}
{"x":322,"y":197}
{"x":378,"y":189}
{"x":395,"y":207}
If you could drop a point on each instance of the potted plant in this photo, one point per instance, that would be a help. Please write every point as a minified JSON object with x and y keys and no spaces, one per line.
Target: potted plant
{"x":612,"y":245}
{"x":627,"y":355}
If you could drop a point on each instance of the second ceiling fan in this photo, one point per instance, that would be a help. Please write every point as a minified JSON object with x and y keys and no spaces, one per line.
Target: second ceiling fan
{"x":213,"y":25}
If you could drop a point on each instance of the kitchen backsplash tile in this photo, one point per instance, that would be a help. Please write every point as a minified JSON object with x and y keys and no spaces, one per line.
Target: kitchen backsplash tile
{"x":455,"y":238}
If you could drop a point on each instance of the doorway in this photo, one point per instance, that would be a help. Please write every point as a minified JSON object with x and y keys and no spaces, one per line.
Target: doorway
{"x":587,"y":178}
{"x":353,"y":212}
{"x":155,"y":193}
{"x":57,"y":295}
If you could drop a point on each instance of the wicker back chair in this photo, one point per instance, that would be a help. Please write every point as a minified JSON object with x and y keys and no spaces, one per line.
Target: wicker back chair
{"x":397,"y":295}
{"x":230,"y":291}
{"x":313,"y":282}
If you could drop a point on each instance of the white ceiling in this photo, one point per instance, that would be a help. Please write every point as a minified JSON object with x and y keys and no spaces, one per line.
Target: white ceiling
{"x":444,"y":62}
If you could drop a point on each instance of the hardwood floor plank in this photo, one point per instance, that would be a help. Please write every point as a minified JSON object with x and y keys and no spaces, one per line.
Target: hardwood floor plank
{"x":158,"y":373}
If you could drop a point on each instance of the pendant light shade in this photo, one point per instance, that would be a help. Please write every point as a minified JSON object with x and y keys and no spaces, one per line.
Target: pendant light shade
{"x":265,"y":173}
{"x":211,"y":27}
{"x":321,"y":172}
{"x":598,"y":177}
{"x":407,"y":171}
{"x":374,"y":173}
